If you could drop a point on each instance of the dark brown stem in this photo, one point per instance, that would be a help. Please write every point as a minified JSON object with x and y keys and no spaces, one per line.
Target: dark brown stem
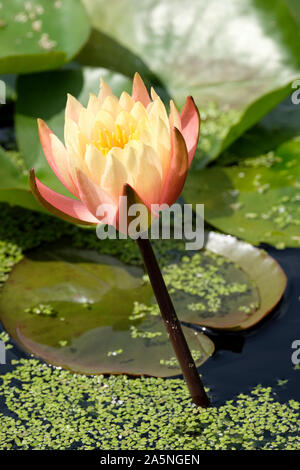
{"x":173,"y":325}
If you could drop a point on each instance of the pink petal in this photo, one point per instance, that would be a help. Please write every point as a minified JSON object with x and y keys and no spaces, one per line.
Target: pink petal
{"x":190,"y":123}
{"x":139,"y":90}
{"x":61,"y":206}
{"x":93,"y":197}
{"x":178,"y":168}
{"x":45,"y":138}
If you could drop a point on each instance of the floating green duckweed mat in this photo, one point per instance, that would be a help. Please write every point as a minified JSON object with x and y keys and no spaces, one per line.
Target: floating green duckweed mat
{"x":52,"y":409}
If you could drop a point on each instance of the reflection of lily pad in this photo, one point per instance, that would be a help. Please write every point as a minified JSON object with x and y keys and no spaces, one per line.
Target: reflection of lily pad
{"x":258,"y":201}
{"x":97,"y":327}
{"x":228,"y":291}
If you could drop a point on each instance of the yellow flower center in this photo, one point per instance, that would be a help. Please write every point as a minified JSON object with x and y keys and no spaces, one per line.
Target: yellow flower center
{"x":119,"y":138}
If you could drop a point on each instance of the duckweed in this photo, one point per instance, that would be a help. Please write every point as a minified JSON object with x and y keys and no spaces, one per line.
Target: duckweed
{"x":49,"y":408}
{"x":42,"y":309}
{"x":211,"y":281}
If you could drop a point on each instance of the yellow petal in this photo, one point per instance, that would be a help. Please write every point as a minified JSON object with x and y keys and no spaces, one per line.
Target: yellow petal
{"x":154,"y":95}
{"x":144,"y":170}
{"x":126,"y":101}
{"x":73,"y":108}
{"x":94,"y":105}
{"x":161,"y":132}
{"x":174,"y":117}
{"x":103,"y":120}
{"x":76,"y":144}
{"x":125,"y":120}
{"x":62,"y":161}
{"x":95,"y":162}
{"x":71,"y":135}
{"x":157,"y":109}
{"x":86,"y":122}
{"x":111,"y":105}
{"x":104,"y":92}
{"x":139,"y":112}
{"x":114,"y":176}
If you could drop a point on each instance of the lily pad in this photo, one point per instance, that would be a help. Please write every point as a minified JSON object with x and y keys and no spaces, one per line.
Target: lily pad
{"x":9,"y":86}
{"x":226,"y":285}
{"x":210,"y":290}
{"x":258,"y":201}
{"x":277,"y":127}
{"x":261,"y":268}
{"x":80,"y":310}
{"x":34,"y":103}
{"x":241,"y":55}
{"x":14,"y":183}
{"x":40,"y":35}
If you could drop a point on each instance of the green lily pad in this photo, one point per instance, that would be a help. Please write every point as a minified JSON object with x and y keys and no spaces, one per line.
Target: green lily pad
{"x":14,"y":183}
{"x":210,"y":290}
{"x":258,"y":201}
{"x":9,"y":87}
{"x":40,"y":35}
{"x":261,"y":268}
{"x":241,"y":55}
{"x":34,"y":103}
{"x":277,"y":127}
{"x":226,"y":284}
{"x":80,"y":310}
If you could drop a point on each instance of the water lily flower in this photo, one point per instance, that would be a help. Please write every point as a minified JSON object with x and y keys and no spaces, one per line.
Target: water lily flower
{"x":115,"y":144}
{"x":119,"y":147}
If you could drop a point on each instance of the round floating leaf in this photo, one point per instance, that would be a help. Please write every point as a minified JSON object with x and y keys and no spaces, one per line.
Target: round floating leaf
{"x":210,"y":290}
{"x":258,"y":200}
{"x":203,"y":48}
{"x":40,"y":34}
{"x":261,"y":268}
{"x":226,"y":285}
{"x":91,"y":314}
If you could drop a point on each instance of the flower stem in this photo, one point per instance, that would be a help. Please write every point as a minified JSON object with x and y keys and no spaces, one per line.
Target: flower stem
{"x":173,"y":325}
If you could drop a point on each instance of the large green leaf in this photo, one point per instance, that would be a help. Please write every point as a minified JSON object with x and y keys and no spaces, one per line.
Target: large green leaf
{"x":241,"y":54}
{"x":80,"y":310}
{"x":278,"y":126}
{"x":40,"y":34}
{"x":44,"y":96}
{"x":258,"y":200}
{"x":14,"y":183}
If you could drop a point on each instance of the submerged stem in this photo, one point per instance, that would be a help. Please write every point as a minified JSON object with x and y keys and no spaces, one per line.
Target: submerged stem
{"x":173,"y":325}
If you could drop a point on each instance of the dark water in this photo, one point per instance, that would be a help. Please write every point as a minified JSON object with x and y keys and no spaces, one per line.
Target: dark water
{"x":262,"y":355}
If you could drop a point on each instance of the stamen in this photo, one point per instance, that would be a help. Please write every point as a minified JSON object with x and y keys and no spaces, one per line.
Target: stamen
{"x":118,"y":138}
